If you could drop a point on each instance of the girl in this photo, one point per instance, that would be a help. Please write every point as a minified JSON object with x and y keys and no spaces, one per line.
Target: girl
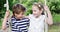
{"x":38,"y":18}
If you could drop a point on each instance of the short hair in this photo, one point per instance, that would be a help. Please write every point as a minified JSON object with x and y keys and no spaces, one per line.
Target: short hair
{"x":17,"y":8}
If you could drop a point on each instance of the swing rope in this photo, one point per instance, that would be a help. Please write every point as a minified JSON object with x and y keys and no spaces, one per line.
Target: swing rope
{"x":9,"y":18}
{"x":46,"y":25}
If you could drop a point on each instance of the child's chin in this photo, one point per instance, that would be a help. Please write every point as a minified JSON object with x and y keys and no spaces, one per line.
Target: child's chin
{"x":20,"y":17}
{"x":36,"y":16}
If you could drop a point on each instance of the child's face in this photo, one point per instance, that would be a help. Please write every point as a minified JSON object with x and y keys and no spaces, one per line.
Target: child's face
{"x":36,"y":11}
{"x":20,"y":15}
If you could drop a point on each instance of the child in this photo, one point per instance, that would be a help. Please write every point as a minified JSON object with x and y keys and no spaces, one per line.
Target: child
{"x":19,"y":23}
{"x":38,"y":18}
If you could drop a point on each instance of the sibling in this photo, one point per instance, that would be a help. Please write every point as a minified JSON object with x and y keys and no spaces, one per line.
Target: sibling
{"x":19,"y":23}
{"x":38,"y":18}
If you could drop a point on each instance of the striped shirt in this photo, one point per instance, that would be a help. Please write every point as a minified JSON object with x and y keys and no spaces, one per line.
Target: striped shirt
{"x":19,"y":25}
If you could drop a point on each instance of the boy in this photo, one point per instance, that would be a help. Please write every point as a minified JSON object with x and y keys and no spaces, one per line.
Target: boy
{"x":18,"y":22}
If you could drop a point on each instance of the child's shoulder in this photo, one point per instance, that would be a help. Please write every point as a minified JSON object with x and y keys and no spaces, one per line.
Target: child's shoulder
{"x":31,"y":15}
{"x":43,"y":16}
{"x":12,"y":18}
{"x":25,"y":18}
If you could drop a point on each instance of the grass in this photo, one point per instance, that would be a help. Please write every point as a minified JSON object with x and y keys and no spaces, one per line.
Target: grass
{"x":56,"y":18}
{"x":54,"y":28}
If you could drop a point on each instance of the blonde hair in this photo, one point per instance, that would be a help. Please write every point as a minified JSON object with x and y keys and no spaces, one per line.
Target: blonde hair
{"x":40,"y":6}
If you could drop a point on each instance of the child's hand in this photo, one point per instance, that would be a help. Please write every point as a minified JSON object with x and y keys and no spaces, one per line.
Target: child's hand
{"x":46,"y":8}
{"x":7,"y":14}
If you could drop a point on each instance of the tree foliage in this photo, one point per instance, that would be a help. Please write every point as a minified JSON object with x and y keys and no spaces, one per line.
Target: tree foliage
{"x":54,"y":5}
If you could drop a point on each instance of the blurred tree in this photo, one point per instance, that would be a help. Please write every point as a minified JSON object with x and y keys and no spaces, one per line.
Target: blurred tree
{"x":54,"y":5}
{"x":2,"y":8}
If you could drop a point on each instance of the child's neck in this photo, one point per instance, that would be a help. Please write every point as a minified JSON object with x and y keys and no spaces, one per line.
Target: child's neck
{"x":19,"y":18}
{"x":37,"y":16}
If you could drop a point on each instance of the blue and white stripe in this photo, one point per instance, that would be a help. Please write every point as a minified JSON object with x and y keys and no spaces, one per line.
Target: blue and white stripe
{"x":19,"y":25}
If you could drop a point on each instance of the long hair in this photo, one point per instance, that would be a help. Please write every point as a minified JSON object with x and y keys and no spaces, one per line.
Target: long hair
{"x":40,"y":6}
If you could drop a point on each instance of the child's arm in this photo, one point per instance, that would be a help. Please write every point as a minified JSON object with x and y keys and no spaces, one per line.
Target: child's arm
{"x":4,"y":26}
{"x":49,"y":19}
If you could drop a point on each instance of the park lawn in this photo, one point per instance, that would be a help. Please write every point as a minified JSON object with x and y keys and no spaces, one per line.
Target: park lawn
{"x":56,"y":18}
{"x":54,"y":28}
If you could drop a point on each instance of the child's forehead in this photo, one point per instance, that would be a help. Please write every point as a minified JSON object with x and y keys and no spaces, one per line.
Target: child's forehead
{"x":20,"y":12}
{"x":35,"y":8}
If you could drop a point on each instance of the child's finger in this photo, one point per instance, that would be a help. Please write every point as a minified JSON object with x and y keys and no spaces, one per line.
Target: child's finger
{"x":7,"y":13}
{"x":46,"y":8}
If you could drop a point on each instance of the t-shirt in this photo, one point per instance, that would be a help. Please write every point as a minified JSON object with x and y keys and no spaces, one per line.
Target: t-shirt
{"x":36,"y":24}
{"x":19,"y":25}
